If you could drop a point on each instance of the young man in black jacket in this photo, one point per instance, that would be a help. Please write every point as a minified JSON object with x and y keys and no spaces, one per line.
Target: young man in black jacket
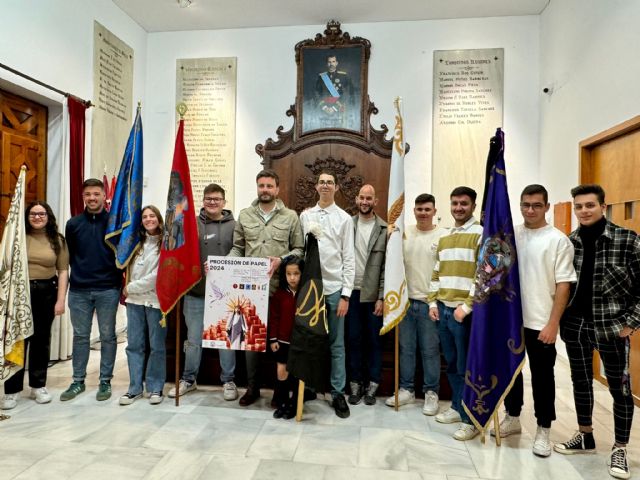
{"x":95,"y":285}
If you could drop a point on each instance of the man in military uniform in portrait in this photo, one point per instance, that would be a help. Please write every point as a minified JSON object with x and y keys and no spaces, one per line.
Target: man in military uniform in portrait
{"x":334,"y":95}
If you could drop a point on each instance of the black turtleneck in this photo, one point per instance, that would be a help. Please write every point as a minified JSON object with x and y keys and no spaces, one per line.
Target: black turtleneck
{"x":583,"y":300}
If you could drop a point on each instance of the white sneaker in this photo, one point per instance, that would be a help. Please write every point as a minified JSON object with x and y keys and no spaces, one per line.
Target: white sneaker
{"x":41,"y":395}
{"x":430,"y":403}
{"x":183,"y":388}
{"x":465,"y":432}
{"x":155,"y":398}
{"x":9,"y":401}
{"x":508,"y":426}
{"x":404,"y":397}
{"x":229,"y":391}
{"x":541,"y":444}
{"x":129,"y":398}
{"x":448,"y":416}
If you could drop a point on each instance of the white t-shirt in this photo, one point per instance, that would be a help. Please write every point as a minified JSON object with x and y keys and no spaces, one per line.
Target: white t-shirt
{"x":363,"y":235}
{"x":545,"y":258}
{"x":419,"y":249}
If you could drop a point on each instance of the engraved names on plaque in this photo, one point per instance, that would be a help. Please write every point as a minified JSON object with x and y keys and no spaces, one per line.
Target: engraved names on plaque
{"x":208,"y":87}
{"x":113,"y":99}
{"x":468,"y":89}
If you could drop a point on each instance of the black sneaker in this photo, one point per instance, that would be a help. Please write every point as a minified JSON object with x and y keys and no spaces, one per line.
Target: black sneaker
{"x":129,"y":398}
{"x":309,"y":395}
{"x":339,"y":404}
{"x":581,"y":442}
{"x":356,"y":393}
{"x":279,"y":413}
{"x":370,"y":394}
{"x":617,"y":462}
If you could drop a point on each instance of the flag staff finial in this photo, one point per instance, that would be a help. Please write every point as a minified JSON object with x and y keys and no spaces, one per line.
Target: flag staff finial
{"x":182,"y":109}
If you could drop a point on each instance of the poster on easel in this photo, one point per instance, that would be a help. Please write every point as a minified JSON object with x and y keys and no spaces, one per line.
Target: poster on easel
{"x":236,"y":303}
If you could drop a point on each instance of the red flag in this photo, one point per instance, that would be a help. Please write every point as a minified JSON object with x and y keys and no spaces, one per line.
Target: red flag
{"x":179,"y":266}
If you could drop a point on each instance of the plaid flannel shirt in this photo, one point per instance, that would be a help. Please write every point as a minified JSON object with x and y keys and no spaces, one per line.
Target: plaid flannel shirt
{"x":616,"y":279}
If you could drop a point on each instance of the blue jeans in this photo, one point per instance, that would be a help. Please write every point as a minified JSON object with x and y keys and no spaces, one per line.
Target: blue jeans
{"x":82,"y":304}
{"x":363,"y":336}
{"x":417,"y":329}
{"x":142,"y":323}
{"x":454,"y":337}
{"x":336,"y":344}
{"x":193,"y":308}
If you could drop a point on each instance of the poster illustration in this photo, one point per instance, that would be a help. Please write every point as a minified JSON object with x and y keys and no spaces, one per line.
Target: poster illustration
{"x":236,"y":303}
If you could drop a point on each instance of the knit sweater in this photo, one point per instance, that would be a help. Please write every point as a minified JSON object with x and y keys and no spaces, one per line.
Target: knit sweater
{"x":43,"y":261}
{"x":452,"y":281}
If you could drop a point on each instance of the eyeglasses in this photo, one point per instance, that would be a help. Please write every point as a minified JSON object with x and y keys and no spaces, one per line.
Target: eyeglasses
{"x":535,"y":206}
{"x":38,"y":214}
{"x":328,"y":183}
{"x":213,"y":200}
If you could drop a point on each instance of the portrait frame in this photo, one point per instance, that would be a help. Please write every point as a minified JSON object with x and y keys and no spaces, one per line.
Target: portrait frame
{"x":346,"y":107}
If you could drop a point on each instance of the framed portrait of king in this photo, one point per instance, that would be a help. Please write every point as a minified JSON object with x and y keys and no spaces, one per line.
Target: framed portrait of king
{"x":332,"y":82}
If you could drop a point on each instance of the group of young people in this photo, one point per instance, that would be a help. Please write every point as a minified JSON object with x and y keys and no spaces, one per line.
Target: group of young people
{"x":585,"y":286}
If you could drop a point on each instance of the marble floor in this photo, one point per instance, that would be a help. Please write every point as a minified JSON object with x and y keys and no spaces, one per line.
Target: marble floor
{"x":206,"y":437}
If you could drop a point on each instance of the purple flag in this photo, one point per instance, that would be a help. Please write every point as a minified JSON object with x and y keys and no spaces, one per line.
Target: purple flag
{"x":496,"y":345}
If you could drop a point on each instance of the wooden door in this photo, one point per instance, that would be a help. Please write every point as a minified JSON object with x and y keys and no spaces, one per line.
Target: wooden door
{"x":23,"y":141}
{"x":612,"y":159}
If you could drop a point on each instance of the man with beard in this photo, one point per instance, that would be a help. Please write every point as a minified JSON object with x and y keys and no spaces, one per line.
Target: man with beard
{"x":364,"y":317}
{"x":94,"y":287}
{"x":270,"y":230}
{"x":451,"y":300}
{"x":333,"y":94}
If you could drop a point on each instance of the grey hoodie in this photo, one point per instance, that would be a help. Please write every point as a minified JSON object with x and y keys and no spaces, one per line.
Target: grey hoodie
{"x":216,"y":238}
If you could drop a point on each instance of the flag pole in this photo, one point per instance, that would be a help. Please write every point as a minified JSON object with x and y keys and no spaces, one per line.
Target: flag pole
{"x":300,"y":401}
{"x":177,"y":372}
{"x":496,"y":427}
{"x":396,"y":369}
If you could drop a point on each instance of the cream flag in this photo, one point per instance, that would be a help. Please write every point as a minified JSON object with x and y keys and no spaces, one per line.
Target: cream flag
{"x":396,"y":297}
{"x":16,"y":321}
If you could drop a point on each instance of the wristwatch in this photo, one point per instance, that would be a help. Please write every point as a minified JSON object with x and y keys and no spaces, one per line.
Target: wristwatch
{"x":344,"y":297}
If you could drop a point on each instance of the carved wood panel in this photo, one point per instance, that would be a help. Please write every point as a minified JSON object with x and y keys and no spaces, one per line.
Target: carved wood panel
{"x":23,"y":141}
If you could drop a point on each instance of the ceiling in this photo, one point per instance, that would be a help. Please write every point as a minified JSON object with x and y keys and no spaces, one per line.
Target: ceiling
{"x":166,"y":15}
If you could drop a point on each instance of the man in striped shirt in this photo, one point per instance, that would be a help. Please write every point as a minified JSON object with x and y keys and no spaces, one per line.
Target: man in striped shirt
{"x":451,"y":299}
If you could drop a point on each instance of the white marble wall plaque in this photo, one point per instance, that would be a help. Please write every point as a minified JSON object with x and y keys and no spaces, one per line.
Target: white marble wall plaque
{"x":208,"y":87}
{"x":468,"y":90}
{"x":113,"y":98}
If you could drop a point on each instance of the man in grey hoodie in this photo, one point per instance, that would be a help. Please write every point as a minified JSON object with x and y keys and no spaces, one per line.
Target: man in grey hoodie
{"x":215,"y":230}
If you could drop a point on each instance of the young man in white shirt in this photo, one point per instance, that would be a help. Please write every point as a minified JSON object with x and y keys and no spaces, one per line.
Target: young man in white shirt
{"x":418,"y":329}
{"x":337,"y":262}
{"x":545,"y":265}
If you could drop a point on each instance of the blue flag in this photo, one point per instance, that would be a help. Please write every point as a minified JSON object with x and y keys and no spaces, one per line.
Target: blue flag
{"x":496,"y":345}
{"x":125,"y":215}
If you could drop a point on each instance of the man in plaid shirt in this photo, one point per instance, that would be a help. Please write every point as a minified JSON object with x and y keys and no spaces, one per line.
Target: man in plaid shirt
{"x":603,"y":312}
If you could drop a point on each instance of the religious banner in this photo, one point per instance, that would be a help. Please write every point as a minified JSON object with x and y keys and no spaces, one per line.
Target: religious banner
{"x":113,"y":100}
{"x":208,"y":87}
{"x":468,"y":90}
{"x":236,"y":303}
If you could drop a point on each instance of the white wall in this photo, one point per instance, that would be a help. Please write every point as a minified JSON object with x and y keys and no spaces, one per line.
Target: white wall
{"x":401,"y":64}
{"x":589,"y":57}
{"x":53,"y":42}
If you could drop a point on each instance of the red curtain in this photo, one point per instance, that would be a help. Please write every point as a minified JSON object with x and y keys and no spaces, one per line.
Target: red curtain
{"x":76,"y":153}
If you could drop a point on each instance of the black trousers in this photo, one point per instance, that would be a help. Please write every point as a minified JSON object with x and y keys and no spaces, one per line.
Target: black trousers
{"x":44,"y":294}
{"x":542,"y":359}
{"x":581,"y":340}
